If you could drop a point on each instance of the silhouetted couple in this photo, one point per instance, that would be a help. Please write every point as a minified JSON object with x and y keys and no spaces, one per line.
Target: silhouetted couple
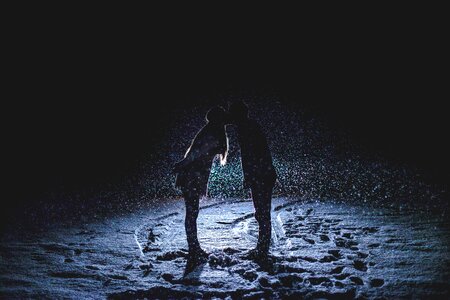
{"x":259,"y":173}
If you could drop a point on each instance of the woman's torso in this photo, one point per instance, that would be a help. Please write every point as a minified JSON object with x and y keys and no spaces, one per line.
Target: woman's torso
{"x":196,"y":175}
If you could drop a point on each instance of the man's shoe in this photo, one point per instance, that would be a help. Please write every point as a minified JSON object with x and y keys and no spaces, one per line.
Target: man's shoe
{"x":257,"y":255}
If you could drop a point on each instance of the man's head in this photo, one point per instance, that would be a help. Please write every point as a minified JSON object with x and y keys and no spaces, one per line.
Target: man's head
{"x":238,"y":111}
{"x":217,"y":115}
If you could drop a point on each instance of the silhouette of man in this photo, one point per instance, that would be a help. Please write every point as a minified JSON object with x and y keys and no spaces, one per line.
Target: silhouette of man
{"x":259,"y":172}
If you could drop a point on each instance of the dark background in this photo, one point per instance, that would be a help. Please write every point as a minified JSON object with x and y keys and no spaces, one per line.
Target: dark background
{"x":86,"y":108}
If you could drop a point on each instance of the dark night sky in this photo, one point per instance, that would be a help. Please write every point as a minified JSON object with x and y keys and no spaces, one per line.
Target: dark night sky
{"x":86,"y":109}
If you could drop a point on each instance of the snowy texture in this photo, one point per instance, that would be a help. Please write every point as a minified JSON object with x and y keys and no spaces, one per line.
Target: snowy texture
{"x":319,"y":249}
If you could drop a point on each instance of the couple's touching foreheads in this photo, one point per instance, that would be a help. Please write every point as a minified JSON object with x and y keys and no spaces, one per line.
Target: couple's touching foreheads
{"x":259,"y":172}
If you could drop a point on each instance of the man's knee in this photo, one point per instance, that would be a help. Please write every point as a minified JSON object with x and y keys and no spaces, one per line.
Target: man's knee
{"x":190,"y":220}
{"x":262,"y":215}
{"x":192,"y":213}
{"x":192,"y":201}
{"x":258,"y":216}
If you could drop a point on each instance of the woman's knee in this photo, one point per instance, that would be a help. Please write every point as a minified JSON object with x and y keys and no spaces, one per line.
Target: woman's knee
{"x":192,"y":211}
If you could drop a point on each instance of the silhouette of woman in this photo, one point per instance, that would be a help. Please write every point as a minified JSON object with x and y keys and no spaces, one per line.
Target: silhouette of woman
{"x":193,"y":171}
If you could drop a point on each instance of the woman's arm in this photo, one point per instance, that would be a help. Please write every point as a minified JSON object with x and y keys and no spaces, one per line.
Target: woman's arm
{"x":209,"y":145}
{"x":198,"y":150}
{"x":223,"y":149}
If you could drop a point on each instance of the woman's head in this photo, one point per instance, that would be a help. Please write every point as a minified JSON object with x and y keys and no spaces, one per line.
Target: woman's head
{"x":217,"y":115}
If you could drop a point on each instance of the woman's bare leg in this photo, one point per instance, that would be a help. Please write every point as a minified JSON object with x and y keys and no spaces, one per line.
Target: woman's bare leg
{"x":192,"y":210}
{"x":262,"y":195}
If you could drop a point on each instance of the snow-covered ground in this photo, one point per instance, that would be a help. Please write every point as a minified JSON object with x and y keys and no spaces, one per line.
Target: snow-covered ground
{"x":319,"y":249}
